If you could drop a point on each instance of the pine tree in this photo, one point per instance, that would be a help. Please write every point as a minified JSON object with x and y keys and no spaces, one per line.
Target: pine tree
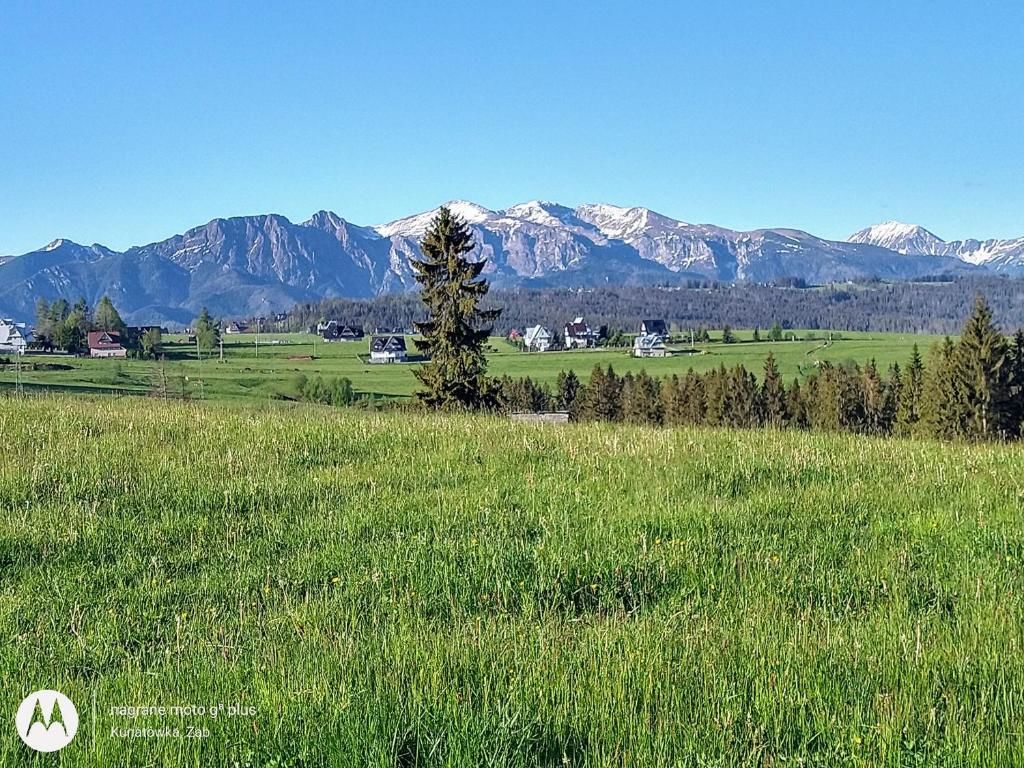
{"x":1017,"y":391}
{"x":873,"y":400}
{"x":796,"y":406}
{"x":774,"y":411}
{"x":455,"y":376}
{"x":716,"y":396}
{"x":908,"y":406}
{"x":728,"y":337}
{"x":981,"y":370}
{"x":775,"y":334}
{"x":942,"y":410}
{"x":757,"y":333}
{"x":891,"y":399}
{"x":568,"y":392}
{"x":693,"y":398}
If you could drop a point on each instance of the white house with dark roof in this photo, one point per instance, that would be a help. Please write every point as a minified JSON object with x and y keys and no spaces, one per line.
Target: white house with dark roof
{"x":579,"y":335}
{"x":537,"y":339}
{"x":14,"y":337}
{"x":649,"y":345}
{"x":387,"y":349}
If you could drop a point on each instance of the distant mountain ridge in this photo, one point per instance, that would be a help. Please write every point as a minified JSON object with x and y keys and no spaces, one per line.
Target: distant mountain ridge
{"x":914,"y":240}
{"x":256,"y":264}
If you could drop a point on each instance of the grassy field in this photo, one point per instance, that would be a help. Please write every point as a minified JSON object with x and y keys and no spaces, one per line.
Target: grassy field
{"x":390,"y":589}
{"x":283,"y":357}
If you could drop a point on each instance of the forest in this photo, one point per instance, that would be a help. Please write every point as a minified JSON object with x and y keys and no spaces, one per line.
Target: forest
{"x":923,"y":307}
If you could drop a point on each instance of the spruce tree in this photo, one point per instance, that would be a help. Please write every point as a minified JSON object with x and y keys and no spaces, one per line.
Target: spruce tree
{"x":981,"y":370}
{"x":1017,"y":390}
{"x":873,"y":399}
{"x":568,"y":391}
{"x":908,"y":405}
{"x":773,"y":395}
{"x":452,"y":336}
{"x":943,"y":414}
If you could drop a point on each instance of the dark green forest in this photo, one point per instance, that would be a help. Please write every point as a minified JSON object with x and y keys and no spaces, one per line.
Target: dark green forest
{"x":925,"y":307}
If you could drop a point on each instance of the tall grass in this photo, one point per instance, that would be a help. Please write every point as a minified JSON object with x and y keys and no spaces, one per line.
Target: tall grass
{"x":409,"y":590}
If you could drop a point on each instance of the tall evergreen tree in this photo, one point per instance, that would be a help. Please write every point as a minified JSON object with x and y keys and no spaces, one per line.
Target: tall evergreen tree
{"x":1018,"y":380}
{"x":774,"y":411}
{"x":569,"y":390}
{"x":982,"y":374}
{"x":873,"y":400}
{"x":908,"y":405}
{"x":943,"y":413}
{"x":455,"y":376}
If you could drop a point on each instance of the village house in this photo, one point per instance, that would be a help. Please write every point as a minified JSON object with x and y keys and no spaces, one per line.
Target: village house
{"x":234,"y":328}
{"x":335,"y":331}
{"x":14,"y":337}
{"x":649,"y":345}
{"x":387,"y":349}
{"x":537,"y":339}
{"x":579,"y":335}
{"x":106,"y":344}
{"x":657,"y":327}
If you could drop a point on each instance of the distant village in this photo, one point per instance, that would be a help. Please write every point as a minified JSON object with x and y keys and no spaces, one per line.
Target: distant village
{"x":385,"y":345}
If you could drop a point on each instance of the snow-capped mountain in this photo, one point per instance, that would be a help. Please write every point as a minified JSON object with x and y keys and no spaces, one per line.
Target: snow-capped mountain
{"x":997,"y":255}
{"x":899,"y":237}
{"x":254,"y":264}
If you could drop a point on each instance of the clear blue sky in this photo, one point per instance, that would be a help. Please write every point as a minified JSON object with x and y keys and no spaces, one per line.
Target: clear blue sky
{"x":125,"y":123}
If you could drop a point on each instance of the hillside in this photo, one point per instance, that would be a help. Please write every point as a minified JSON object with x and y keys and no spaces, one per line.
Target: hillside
{"x":403,"y":589}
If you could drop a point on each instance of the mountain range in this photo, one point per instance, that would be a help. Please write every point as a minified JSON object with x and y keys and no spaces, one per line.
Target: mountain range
{"x":256,"y":264}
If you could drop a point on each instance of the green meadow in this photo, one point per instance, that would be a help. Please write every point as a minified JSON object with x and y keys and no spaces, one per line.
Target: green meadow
{"x":392,"y":589}
{"x":244,"y":375}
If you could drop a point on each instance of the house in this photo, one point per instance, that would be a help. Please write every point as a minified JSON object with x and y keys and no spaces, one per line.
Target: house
{"x":514,"y":336}
{"x":658,"y":327}
{"x":106,"y":344}
{"x":649,"y":345}
{"x":387,"y":349}
{"x":14,"y":337}
{"x":578,"y":335}
{"x":335,"y":331}
{"x":234,"y":328}
{"x":537,"y":339}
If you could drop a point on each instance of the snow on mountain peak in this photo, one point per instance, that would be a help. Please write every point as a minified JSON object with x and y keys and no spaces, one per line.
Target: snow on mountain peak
{"x":900,"y":237}
{"x":620,"y":223}
{"x":416,"y":226}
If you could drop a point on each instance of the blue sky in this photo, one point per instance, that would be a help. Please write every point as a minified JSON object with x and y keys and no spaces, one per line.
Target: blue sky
{"x":124,"y":123}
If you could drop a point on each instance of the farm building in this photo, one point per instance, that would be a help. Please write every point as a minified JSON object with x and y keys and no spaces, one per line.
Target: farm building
{"x":387,"y":349}
{"x":106,"y":344}
{"x":335,"y":331}
{"x":649,"y":345}
{"x":659,"y":327}
{"x":537,"y":339}
{"x":579,"y":335}
{"x":14,"y":337}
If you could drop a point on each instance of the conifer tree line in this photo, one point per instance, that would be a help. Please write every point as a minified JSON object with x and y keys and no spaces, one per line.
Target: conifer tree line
{"x":918,"y":307}
{"x":970,"y":389}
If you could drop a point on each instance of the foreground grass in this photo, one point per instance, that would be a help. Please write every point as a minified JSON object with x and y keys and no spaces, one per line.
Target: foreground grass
{"x":408,"y":590}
